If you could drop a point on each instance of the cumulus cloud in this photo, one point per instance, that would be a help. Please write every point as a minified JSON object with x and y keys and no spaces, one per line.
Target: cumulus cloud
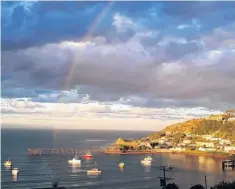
{"x":174,"y":69}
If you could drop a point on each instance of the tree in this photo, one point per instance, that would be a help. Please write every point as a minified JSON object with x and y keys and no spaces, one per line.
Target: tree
{"x":123,"y":147}
{"x":143,"y":148}
{"x":197,"y":186}
{"x":172,"y":186}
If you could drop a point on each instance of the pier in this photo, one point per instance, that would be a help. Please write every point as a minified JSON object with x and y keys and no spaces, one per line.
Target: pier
{"x":227,"y":164}
{"x":59,"y":151}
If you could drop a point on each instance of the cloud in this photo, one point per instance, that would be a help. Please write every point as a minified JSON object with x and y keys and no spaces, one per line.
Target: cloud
{"x":132,"y":60}
{"x":127,"y":117}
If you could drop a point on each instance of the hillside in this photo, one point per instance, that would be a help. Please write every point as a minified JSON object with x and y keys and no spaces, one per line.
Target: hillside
{"x":222,"y":126}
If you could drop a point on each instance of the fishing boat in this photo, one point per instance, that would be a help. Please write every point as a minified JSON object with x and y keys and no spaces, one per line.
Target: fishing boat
{"x":94,"y":171}
{"x":121,"y":165}
{"x":15,"y":171}
{"x":75,"y":160}
{"x":7,"y":163}
{"x":87,"y":155}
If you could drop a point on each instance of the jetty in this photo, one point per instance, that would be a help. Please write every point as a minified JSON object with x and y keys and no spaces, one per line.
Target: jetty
{"x":59,"y":151}
{"x":227,"y":164}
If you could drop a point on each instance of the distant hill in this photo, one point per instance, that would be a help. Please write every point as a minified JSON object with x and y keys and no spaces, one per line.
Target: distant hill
{"x":222,"y":126}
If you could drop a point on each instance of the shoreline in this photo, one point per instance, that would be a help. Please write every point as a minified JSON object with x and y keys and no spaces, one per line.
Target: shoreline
{"x":189,"y":153}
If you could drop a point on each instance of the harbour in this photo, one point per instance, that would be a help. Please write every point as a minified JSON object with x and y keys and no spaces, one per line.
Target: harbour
{"x":118,"y":171}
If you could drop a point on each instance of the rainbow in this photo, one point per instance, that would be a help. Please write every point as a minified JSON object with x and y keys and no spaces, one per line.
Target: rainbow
{"x":84,"y":38}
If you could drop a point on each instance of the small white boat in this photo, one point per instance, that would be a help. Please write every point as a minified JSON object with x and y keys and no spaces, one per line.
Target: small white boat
{"x":147,"y":161}
{"x":170,"y":166}
{"x":75,"y":160}
{"x":94,"y":171}
{"x":15,"y":171}
{"x":148,"y":158}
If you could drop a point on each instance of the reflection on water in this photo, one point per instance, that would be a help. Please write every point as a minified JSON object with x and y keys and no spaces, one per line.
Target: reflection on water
{"x":14,"y":178}
{"x":93,"y":176}
{"x":7,"y":167}
{"x":147,"y":168}
{"x":208,"y":164}
{"x":76,"y":168}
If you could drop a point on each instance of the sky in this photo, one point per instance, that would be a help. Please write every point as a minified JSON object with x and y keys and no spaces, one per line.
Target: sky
{"x":115,"y":65}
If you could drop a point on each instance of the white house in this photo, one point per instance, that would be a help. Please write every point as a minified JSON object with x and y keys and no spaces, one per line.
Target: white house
{"x":205,"y":144}
{"x":178,"y":149}
{"x":225,"y":142}
{"x":229,"y":148}
{"x":146,"y":144}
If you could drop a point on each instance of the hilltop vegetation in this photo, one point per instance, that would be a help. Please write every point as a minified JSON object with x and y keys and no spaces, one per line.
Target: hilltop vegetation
{"x":224,"y":130}
{"x":221,"y":126}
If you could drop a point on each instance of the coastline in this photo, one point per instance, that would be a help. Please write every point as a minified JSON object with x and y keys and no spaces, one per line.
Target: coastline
{"x":165,"y":151}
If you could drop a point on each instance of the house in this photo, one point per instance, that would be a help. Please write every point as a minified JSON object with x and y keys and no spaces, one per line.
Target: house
{"x":210,"y":138}
{"x":202,"y":149}
{"x":146,"y":144}
{"x":161,"y":141}
{"x":186,"y":142}
{"x":205,"y":144}
{"x":229,"y":148}
{"x":178,"y":149}
{"x":225,"y":142}
{"x":169,"y":143}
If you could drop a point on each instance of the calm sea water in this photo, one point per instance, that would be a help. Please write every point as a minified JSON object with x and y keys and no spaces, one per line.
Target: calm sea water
{"x":41,"y":171}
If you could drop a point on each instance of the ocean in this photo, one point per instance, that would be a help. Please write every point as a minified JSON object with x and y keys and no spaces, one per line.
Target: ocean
{"x":40,"y":171}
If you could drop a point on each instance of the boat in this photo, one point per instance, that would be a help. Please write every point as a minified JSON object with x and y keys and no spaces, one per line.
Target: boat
{"x":87,"y":155}
{"x":121,"y":165}
{"x":75,"y":160}
{"x":7,"y":163}
{"x":94,"y":171}
{"x":148,"y":158}
{"x":147,"y":161}
{"x":15,"y":171}
{"x":170,"y":166}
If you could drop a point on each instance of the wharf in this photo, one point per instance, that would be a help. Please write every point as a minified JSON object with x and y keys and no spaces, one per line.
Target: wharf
{"x":228,"y":163}
{"x":59,"y":151}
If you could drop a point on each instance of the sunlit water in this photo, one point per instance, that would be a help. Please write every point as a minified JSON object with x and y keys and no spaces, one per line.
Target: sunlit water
{"x":40,"y":171}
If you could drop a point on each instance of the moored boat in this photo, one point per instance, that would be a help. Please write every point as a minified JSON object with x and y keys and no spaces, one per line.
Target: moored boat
{"x":75,"y":160}
{"x":87,"y":155}
{"x":15,"y":171}
{"x":94,"y":171}
{"x":147,"y":161}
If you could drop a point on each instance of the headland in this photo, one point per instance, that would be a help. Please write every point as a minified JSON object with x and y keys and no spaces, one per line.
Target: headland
{"x":212,"y":136}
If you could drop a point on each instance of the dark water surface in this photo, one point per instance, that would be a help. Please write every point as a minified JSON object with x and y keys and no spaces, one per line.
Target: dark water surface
{"x":40,"y":171}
